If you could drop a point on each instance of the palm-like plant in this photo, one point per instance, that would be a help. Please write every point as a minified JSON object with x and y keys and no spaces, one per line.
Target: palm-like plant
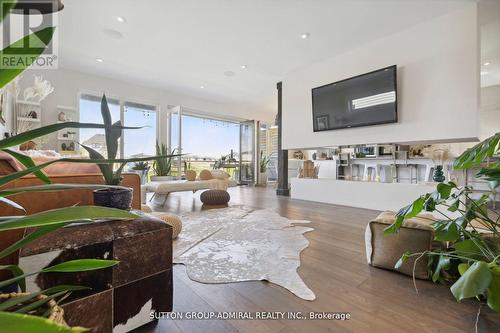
{"x":162,"y":165}
{"x":264,"y":162}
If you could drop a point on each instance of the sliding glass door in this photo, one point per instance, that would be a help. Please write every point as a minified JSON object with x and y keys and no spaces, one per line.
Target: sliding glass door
{"x":247,"y":152}
{"x":207,"y":143}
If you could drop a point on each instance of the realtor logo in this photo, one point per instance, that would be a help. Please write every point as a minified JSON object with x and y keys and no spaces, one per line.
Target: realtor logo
{"x":28,"y":36}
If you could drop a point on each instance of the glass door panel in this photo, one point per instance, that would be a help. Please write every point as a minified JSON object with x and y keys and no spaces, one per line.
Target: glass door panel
{"x":247,"y":152}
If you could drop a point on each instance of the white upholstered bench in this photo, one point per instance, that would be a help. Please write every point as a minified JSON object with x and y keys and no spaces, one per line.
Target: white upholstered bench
{"x":167,"y":187}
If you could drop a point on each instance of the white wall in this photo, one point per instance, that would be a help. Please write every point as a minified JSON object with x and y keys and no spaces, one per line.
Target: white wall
{"x":68,"y":84}
{"x":438,"y":85}
{"x":489,"y":123}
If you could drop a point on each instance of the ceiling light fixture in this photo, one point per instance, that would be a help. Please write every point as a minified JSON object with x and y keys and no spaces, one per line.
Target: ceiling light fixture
{"x":121,"y":19}
{"x":486,"y":64}
{"x":202,"y":87}
{"x":99,"y":59}
{"x":243,"y":66}
{"x":305,"y":35}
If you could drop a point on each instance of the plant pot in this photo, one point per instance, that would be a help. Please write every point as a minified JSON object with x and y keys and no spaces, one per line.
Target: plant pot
{"x":161,"y":178}
{"x":262,"y":178}
{"x":143,"y":175}
{"x":120,"y":198}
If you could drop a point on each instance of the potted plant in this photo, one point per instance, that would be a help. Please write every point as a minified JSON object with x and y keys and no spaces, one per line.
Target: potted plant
{"x":142,"y":169}
{"x":111,"y":167}
{"x":469,"y":257}
{"x":162,"y":166}
{"x":264,"y":162}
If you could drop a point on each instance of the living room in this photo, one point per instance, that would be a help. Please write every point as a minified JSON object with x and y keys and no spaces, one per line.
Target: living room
{"x":230,"y":166}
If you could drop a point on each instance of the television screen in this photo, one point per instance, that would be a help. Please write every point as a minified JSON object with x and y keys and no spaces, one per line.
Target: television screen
{"x":367,"y":99}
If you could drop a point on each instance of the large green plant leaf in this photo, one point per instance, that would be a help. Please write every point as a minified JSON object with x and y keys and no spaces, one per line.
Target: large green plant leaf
{"x":112,"y":131}
{"x":28,"y":163}
{"x":80,"y":265}
{"x":65,"y":215}
{"x":469,"y":249}
{"x":442,"y":265}
{"x":16,"y":175}
{"x":106,"y":169}
{"x":22,"y":47}
{"x":446,"y":231}
{"x":71,"y":266}
{"x":12,"y":203}
{"x":53,"y":188}
{"x":39,"y":232}
{"x":23,"y":299}
{"x":22,"y":323}
{"x":409,"y":211}
{"x":38,"y":303}
{"x":474,"y":156}
{"x":494,"y":289}
{"x":473,"y":282}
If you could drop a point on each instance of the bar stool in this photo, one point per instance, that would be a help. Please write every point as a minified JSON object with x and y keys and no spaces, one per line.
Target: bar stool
{"x":370,"y":169}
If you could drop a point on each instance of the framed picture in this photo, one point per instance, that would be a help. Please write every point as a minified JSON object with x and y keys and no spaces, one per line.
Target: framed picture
{"x":2,"y":115}
{"x":322,"y":123}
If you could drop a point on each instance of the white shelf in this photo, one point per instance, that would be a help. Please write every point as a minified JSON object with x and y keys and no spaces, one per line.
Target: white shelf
{"x":35,"y":120}
{"x":28,"y":103}
{"x":67,"y":108}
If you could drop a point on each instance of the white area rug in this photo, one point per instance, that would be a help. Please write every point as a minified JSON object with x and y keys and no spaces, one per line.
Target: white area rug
{"x":240,"y":244}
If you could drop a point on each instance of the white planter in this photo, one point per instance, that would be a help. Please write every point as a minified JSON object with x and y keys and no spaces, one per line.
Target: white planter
{"x":143,"y":174}
{"x":262,"y":178}
{"x":161,"y":178}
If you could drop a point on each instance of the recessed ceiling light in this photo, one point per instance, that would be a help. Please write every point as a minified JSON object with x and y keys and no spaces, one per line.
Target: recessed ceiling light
{"x":305,"y":35}
{"x":99,"y":59}
{"x":484,"y":73}
{"x":243,"y":66}
{"x":486,"y":64}
{"x":121,"y":19}
{"x":202,"y":87}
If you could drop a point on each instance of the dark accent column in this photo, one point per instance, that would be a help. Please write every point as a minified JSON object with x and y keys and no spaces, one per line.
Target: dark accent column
{"x":282,"y":154}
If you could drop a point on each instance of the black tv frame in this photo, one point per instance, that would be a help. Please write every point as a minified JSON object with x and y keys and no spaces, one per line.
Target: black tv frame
{"x":354,"y":77}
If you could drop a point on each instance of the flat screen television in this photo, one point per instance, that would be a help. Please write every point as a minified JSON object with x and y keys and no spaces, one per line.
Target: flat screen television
{"x":363,"y":100}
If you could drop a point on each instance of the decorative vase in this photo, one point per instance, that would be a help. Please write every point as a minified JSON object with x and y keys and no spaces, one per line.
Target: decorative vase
{"x":120,"y":198}
{"x":263,"y":178}
{"x":438,"y":174}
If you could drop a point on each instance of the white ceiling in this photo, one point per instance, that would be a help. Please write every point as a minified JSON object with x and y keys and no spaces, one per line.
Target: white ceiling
{"x":180,"y":45}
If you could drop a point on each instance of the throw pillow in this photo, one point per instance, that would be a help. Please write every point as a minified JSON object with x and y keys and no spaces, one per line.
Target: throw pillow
{"x":191,"y":175}
{"x":220,"y":174}
{"x":205,"y":175}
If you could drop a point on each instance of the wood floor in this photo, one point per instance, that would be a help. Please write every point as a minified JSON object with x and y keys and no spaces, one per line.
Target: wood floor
{"x":334,"y":267}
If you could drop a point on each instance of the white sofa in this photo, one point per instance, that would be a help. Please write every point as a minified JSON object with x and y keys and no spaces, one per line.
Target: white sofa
{"x":163,"y":189}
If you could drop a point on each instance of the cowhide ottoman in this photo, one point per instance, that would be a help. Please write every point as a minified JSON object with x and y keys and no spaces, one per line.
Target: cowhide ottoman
{"x":215,"y":198}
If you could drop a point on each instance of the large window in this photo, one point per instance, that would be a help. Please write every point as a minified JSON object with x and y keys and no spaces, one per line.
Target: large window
{"x":134,"y":142}
{"x":206,"y":143}
{"x":90,"y":112}
{"x":139,"y":142}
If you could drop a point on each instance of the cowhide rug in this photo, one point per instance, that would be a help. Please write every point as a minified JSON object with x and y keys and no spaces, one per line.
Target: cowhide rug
{"x":241,"y":244}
